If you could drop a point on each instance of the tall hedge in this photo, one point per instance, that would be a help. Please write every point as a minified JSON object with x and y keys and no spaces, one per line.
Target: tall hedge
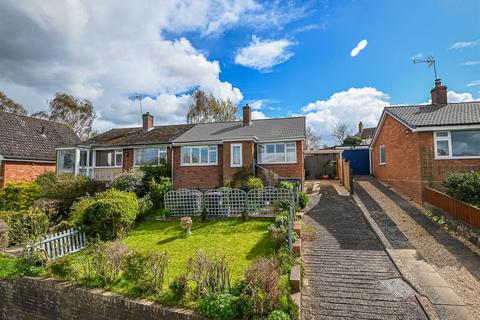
{"x":19,"y":195}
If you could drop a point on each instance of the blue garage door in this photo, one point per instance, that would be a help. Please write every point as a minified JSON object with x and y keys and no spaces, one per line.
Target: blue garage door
{"x":359,"y":160}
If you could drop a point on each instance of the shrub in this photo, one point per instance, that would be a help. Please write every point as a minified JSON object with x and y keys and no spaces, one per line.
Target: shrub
{"x":102,"y":263}
{"x":219,"y":306}
{"x":179,"y":286}
{"x":464,"y":187}
{"x":281,"y":205}
{"x":109,"y":215}
{"x":158,"y":190}
{"x":145,"y":204}
{"x":78,"y":209}
{"x":254,"y":183}
{"x":66,"y":188}
{"x":278,"y":315}
{"x":146,"y":271}
{"x":26,"y":226}
{"x":129,"y":181}
{"x":62,"y":268}
{"x":4,"y":235}
{"x":303,"y":200}
{"x":279,"y":231}
{"x":19,"y":195}
{"x":210,"y":274}
{"x":263,"y":277}
{"x":286,"y":185}
{"x":286,"y":259}
{"x":155,"y":173}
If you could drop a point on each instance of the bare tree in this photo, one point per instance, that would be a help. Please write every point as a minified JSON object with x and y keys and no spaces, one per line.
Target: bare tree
{"x":312,"y":141}
{"x":75,"y":113}
{"x":340,"y":132}
{"x":207,"y":108}
{"x":8,"y":105}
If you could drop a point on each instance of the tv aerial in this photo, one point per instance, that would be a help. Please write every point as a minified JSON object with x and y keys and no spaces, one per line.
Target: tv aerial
{"x":429,"y":61}
{"x":139,"y":98}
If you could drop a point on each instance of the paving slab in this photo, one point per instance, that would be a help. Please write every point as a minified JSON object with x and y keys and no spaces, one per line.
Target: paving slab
{"x":430,"y":279}
{"x":443,"y":295}
{"x":453,"y":313}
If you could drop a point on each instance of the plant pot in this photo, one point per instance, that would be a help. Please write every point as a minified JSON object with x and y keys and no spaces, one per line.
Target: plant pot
{"x":325,"y":177}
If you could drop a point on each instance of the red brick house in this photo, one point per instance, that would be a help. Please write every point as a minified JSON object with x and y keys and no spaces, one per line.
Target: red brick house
{"x":417,"y":146}
{"x":204,"y":155}
{"x":27,"y":146}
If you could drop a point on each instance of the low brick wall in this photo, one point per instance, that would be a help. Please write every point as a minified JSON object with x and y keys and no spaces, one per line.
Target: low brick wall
{"x":33,"y":298}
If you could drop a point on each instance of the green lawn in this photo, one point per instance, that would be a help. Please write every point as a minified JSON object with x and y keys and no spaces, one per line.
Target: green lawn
{"x":241,"y":241}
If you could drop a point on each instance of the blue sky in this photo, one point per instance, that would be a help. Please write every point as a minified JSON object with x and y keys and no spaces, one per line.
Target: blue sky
{"x":283,"y":57}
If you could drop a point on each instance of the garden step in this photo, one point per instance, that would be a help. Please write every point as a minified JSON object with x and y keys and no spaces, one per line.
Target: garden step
{"x":297,"y":246}
{"x":297,"y":228}
{"x":296,"y":278}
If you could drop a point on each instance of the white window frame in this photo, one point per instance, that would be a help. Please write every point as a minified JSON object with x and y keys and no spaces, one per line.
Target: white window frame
{"x":285,"y":148}
{"x":236,"y":165}
{"x":190,"y":164}
{"x":116,"y":151}
{"x":159,"y":151}
{"x":380,"y":155}
{"x":450,"y":146}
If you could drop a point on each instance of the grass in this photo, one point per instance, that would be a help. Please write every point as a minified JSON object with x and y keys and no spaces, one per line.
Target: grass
{"x":13,"y":266}
{"x":241,"y":241}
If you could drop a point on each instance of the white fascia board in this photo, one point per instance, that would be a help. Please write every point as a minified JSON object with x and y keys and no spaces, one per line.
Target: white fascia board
{"x":196,"y":143}
{"x":283,"y":139}
{"x":447,"y":128}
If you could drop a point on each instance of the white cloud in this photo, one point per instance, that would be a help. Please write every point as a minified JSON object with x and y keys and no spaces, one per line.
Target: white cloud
{"x":453,"y":97}
{"x":263,"y":54}
{"x":360,"y":46}
{"x":352,"y":106}
{"x":417,"y":56}
{"x":258,"y":115}
{"x":465,"y":44}
{"x":473,"y":83}
{"x":107,"y":50}
{"x":470,"y":63}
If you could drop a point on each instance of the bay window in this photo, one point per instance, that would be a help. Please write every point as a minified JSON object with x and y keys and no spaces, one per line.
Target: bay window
{"x":108,"y":158}
{"x":150,"y":156}
{"x":278,"y":152}
{"x":199,"y":155}
{"x":66,"y":161}
{"x":457,"y":144}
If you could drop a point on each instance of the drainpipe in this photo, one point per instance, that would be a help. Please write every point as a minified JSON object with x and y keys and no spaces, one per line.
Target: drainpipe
{"x":173,"y":162}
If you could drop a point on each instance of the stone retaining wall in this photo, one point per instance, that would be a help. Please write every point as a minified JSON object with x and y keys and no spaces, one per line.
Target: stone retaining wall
{"x":33,"y":298}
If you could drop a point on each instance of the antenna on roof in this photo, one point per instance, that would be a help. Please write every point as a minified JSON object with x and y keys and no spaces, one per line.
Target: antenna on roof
{"x":139,"y":98}
{"x":430,"y":61}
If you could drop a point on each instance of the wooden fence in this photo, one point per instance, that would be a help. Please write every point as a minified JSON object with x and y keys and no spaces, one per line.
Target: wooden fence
{"x":60,"y":244}
{"x":456,"y":208}
{"x":346,"y":176}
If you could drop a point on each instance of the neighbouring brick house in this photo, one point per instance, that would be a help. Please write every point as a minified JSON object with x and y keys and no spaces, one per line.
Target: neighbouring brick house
{"x":27,"y":146}
{"x":417,"y":146}
{"x":204,"y":155}
{"x":366,"y":134}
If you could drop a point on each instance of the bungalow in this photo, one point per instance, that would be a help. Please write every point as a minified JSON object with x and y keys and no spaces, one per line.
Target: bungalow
{"x":421,"y":145}
{"x":27,"y":146}
{"x":204,"y":155}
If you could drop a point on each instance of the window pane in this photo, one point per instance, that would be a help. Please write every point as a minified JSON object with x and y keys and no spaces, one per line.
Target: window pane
{"x":441,"y":134}
{"x":291,"y":145}
{"x":465,"y":143}
{"x":118,"y":158}
{"x":195,"y":155}
{"x":236,"y":154}
{"x":204,"y":155}
{"x":83,"y":158}
{"x":280,"y":148}
{"x":104,"y":158}
{"x":147,"y":156}
{"x":270,"y":148}
{"x":66,"y":161}
{"x":442,"y":148}
{"x":382,"y":154}
{"x":290,"y":155}
{"x":185,"y":155}
{"x":213,"y":154}
{"x":162,"y":153}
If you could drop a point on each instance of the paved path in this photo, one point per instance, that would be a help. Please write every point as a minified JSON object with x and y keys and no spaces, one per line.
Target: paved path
{"x":348,"y":273}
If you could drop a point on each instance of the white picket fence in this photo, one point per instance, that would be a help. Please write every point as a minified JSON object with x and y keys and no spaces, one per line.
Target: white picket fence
{"x":60,"y":244}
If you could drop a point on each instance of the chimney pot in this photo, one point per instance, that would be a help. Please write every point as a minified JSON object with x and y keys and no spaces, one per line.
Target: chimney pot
{"x":147,"y":120}
{"x":439,"y":93}
{"x":360,"y":127}
{"x":247,"y":115}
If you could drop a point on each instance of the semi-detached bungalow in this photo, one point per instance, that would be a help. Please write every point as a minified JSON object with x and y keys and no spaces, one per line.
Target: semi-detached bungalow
{"x":205,"y":155}
{"x":417,"y":146}
{"x":27,"y":146}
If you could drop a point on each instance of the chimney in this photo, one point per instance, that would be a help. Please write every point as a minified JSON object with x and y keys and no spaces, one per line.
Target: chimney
{"x":147,"y":119}
{"x":360,"y":127}
{"x":247,"y":115}
{"x":439,"y":93}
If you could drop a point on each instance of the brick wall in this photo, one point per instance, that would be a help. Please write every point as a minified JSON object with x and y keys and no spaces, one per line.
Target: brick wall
{"x":410,"y":162}
{"x":23,"y":171}
{"x":29,"y":298}
{"x":290,"y":170}
{"x":201,"y":177}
